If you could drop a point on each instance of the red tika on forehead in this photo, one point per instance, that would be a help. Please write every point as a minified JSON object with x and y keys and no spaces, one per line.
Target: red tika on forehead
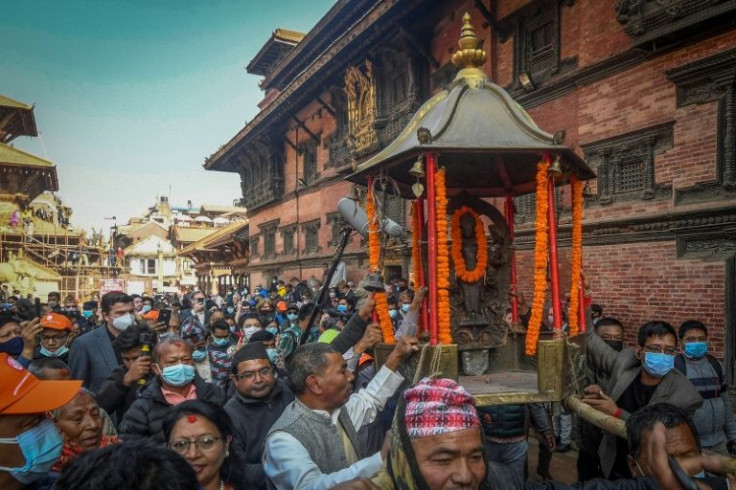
{"x":191,"y":418}
{"x":64,"y":372}
{"x":178,"y":343}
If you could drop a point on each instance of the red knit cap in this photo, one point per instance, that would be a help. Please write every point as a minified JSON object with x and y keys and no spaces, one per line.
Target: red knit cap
{"x":438,"y":406}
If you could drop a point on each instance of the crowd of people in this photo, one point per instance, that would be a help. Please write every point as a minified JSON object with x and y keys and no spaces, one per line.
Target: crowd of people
{"x":243,"y":390}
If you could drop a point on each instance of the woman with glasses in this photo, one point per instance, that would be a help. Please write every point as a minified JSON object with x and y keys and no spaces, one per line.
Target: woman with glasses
{"x":201,"y":433}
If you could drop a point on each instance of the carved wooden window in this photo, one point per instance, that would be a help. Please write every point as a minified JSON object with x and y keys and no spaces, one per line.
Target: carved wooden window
{"x":625,"y":164}
{"x":311,"y":236}
{"x":309,"y":159}
{"x":253,"y":242}
{"x":537,"y":42}
{"x":287,"y":234}
{"x":268,"y":230}
{"x":712,"y":80}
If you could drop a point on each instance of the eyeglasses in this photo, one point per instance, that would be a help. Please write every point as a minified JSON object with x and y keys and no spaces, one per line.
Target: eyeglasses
{"x":47,"y":339}
{"x":670,"y":351}
{"x":204,"y":444}
{"x":263,"y":372}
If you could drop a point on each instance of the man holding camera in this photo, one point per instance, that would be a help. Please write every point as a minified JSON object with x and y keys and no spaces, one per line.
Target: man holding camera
{"x":118,"y":392}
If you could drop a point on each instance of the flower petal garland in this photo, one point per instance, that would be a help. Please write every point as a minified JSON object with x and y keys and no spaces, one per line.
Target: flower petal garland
{"x":374,"y":255}
{"x":444,"y":335}
{"x":461,"y":270}
{"x":540,"y":260}
{"x":577,"y":255}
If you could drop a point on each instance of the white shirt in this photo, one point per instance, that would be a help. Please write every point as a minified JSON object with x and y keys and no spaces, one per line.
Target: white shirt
{"x":287,"y":462}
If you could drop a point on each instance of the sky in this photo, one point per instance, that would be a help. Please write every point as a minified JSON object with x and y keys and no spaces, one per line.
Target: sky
{"x":131,"y":95}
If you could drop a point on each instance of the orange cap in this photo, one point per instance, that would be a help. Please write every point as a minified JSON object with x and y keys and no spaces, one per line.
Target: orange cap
{"x":151,"y":315}
{"x":281,"y":306}
{"x":56,"y":321}
{"x":22,"y":393}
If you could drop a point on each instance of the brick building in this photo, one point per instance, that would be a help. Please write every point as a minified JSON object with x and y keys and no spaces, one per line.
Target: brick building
{"x":645,"y":92}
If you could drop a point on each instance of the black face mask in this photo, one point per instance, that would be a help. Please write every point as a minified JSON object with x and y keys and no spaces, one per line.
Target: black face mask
{"x":617,"y":345}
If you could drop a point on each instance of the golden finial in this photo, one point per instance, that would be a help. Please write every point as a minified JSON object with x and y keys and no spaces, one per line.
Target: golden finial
{"x":470,"y":54}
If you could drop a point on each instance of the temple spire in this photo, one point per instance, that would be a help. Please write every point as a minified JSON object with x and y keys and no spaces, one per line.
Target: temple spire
{"x":470,"y":56}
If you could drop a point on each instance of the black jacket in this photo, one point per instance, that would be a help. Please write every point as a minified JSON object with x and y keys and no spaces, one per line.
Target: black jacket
{"x":116,"y":398}
{"x":145,"y":417}
{"x":252,"y":418}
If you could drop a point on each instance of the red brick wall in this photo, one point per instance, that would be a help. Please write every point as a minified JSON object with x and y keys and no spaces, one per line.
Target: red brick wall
{"x":641,"y":282}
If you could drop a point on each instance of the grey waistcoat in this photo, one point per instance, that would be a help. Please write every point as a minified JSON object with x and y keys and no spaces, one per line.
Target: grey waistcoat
{"x":318,"y":435}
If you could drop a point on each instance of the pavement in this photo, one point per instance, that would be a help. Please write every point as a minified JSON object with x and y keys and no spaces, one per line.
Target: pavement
{"x":563,"y":466}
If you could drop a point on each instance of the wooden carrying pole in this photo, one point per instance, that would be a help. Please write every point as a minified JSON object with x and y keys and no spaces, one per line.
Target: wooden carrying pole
{"x":617,"y":426}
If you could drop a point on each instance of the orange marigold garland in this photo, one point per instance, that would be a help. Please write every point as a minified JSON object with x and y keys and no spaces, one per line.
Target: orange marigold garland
{"x":577,"y":255}
{"x":540,"y":260}
{"x":461,"y":270}
{"x":374,"y":255}
{"x":444,"y":335}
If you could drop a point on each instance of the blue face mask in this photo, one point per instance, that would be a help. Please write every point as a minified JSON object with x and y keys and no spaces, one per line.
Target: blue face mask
{"x":405,"y":308}
{"x":41,"y":448}
{"x":658,"y":364}
{"x":221,"y":342}
{"x":392,"y":313}
{"x":232,"y":329}
{"x":342,"y":308}
{"x":146,"y":308}
{"x":696,"y":350}
{"x":230,"y":310}
{"x":272,"y":330}
{"x":178,"y":374}
{"x":13,"y":347}
{"x":87,"y":313}
{"x":57,"y":353}
{"x":272,"y":354}
{"x":199,"y":355}
{"x":292,"y":317}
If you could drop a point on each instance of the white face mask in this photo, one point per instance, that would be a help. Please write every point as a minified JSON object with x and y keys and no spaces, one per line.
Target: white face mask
{"x":123,"y":322}
{"x":248,"y":331}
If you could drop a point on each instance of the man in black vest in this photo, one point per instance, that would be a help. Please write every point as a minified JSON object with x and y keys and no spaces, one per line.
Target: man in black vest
{"x":259,"y":402}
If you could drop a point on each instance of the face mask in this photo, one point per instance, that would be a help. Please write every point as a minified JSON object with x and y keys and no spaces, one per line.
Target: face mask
{"x":87,"y":313}
{"x":230,"y":310}
{"x":292,"y":317}
{"x":617,"y":345}
{"x":199,"y":355}
{"x":332,"y":294}
{"x":696,"y":350}
{"x":551,"y":320}
{"x":53,"y":304}
{"x":273,"y":354}
{"x":221,"y":342}
{"x":250,"y":331}
{"x":273,"y":330}
{"x":57,"y":353}
{"x":342,"y":308}
{"x":392,"y":313}
{"x":232,"y":329}
{"x":122,"y":323}
{"x":146,"y":308}
{"x":405,"y":308}
{"x":13,"y":347}
{"x":41,"y":448}
{"x":178,"y":374}
{"x":658,"y":364}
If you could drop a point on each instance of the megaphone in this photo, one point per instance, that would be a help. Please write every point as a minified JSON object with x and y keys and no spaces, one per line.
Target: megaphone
{"x":358,"y":219}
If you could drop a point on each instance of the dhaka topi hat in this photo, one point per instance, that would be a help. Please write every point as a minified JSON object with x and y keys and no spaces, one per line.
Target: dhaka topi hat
{"x":438,"y":406}
{"x":193,"y":332}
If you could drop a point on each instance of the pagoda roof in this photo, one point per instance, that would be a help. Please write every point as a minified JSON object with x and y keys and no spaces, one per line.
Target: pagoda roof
{"x":16,"y":119}
{"x":221,"y":236}
{"x":15,"y":159}
{"x":191,"y":235}
{"x":281,"y":42}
